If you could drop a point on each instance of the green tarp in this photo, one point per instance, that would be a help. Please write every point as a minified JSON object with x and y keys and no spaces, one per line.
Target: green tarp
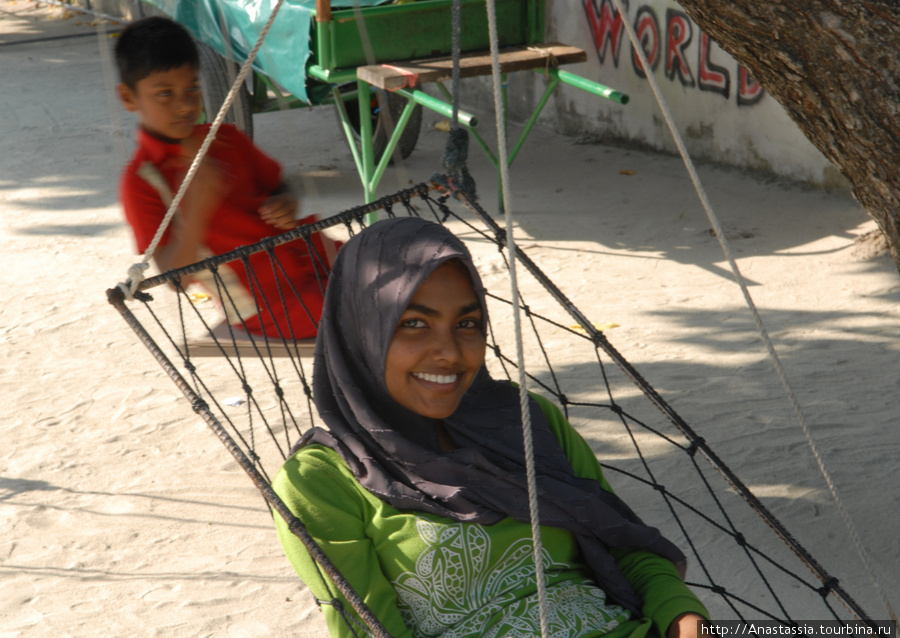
{"x":285,"y":50}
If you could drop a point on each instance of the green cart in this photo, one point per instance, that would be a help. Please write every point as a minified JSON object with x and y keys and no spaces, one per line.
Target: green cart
{"x":369,"y":58}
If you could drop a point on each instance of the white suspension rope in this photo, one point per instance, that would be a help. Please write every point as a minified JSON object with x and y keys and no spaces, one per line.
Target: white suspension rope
{"x":726,"y":249}
{"x":136,"y":271}
{"x":500,"y":117}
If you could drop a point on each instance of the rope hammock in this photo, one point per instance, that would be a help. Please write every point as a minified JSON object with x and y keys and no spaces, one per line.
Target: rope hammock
{"x":258,"y":406}
{"x":256,"y":396}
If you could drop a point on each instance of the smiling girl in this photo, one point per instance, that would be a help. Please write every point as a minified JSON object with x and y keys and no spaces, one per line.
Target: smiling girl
{"x":417,"y":489}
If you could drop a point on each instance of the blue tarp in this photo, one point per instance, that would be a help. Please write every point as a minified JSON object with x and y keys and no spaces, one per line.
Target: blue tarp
{"x":285,"y":50}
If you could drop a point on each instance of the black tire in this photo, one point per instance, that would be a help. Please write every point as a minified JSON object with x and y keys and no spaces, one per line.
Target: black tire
{"x":217,"y":75}
{"x":383,"y":121}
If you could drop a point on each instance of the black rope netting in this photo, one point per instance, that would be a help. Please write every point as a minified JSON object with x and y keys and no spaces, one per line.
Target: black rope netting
{"x":255,"y":395}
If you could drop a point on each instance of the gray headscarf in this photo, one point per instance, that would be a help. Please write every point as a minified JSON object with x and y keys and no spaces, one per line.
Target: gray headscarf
{"x":394,"y":452}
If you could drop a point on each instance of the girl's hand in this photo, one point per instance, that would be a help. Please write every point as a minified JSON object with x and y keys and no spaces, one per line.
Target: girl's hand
{"x":685,"y":626}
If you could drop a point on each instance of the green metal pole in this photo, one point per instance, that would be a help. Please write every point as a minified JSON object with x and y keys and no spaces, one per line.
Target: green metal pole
{"x":419,"y":97}
{"x":588,"y":85}
{"x":399,"y":127}
{"x":348,"y":132}
{"x":534,"y":116}
{"x":367,"y":168}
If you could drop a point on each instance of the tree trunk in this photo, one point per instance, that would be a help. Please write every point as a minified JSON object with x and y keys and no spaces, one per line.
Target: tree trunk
{"x":834,"y":65}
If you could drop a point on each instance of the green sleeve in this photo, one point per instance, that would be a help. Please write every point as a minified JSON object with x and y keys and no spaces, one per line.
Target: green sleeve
{"x":318,"y":488}
{"x":653,"y":578}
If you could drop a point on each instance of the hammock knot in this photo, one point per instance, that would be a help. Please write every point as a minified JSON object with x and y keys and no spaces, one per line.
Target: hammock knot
{"x":246,"y":387}
{"x":695,"y":445}
{"x":659,"y":487}
{"x":135,"y":277}
{"x":456,"y":177}
{"x":718,"y":589}
{"x":828,"y":586}
{"x":563,"y":399}
{"x":740,"y":540}
{"x":189,"y":366}
{"x":617,"y":409}
{"x":199,"y":405}
{"x":279,"y":392}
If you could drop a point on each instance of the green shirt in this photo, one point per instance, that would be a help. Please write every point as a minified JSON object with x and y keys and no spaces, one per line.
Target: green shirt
{"x":425,"y":575}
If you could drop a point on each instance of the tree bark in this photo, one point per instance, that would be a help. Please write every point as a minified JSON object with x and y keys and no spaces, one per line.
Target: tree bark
{"x":834,"y":65}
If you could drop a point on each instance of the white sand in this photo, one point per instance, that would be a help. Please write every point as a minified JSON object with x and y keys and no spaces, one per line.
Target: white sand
{"x":120,"y":515}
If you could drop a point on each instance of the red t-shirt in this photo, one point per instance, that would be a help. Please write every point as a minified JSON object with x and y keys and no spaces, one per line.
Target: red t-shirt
{"x":252,"y":176}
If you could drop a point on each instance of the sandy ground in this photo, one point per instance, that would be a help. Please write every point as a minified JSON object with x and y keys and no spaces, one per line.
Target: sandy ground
{"x":120,"y":515}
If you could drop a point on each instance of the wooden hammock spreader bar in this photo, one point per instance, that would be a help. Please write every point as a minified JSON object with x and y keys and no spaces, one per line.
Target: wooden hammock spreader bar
{"x":697,"y":443}
{"x":117,"y":298}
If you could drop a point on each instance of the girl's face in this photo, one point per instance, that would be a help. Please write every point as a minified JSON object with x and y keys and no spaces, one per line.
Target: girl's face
{"x":438,"y":346}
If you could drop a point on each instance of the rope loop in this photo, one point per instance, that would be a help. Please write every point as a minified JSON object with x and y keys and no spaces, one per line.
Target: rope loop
{"x":135,"y":277}
{"x":456,"y":177}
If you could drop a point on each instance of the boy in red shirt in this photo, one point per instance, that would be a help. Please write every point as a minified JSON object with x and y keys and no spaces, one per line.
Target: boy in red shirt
{"x":237,"y":197}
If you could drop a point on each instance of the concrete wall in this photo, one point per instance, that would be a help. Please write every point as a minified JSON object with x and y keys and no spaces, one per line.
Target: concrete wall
{"x":723,"y":114}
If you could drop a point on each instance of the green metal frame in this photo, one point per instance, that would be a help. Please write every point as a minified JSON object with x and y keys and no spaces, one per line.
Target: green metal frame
{"x":349,"y":38}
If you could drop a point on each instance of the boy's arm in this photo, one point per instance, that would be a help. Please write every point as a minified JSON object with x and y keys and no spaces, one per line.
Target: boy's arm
{"x":200,"y":202}
{"x":280,"y":210}
{"x":282,"y":205}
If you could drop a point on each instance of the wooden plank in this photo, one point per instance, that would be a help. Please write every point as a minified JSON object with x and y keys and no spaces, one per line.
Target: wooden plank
{"x":414,"y":72}
{"x":245,"y":345}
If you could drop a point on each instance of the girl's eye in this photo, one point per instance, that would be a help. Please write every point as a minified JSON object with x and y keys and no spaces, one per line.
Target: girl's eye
{"x":470,"y":324}
{"x":412,"y":323}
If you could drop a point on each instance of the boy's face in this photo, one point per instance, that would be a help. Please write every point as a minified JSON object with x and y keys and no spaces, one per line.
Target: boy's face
{"x":167,"y":103}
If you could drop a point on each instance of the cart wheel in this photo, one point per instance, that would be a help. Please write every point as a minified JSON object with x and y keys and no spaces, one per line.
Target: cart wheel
{"x":384,"y":121}
{"x":218,"y":75}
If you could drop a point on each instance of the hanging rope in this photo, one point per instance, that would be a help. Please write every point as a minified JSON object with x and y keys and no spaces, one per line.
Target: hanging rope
{"x":136,"y":271}
{"x":500,"y":116}
{"x":726,"y":249}
{"x":455,"y":176}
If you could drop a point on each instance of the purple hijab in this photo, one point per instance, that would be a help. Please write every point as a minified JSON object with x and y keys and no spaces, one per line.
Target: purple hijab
{"x":394,"y":453}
